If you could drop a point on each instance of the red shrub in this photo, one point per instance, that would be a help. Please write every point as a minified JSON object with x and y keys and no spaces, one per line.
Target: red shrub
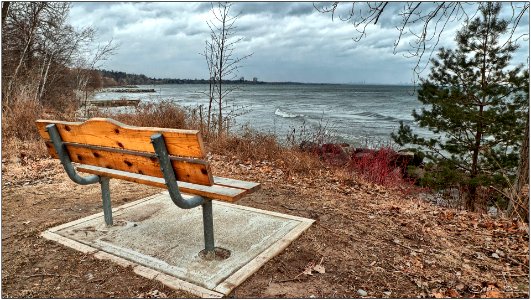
{"x":378,"y":166}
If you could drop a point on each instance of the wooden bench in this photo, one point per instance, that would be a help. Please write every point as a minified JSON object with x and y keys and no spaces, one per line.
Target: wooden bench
{"x":161,"y":157}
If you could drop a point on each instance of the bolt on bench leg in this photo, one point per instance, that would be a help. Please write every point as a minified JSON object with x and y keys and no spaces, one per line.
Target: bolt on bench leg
{"x":106,"y":198}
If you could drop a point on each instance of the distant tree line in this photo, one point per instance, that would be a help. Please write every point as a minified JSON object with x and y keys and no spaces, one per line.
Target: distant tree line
{"x":118,"y":78}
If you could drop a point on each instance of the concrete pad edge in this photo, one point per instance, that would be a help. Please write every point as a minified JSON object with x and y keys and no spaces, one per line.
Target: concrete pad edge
{"x":176,"y":283}
{"x":265,"y":212}
{"x":251,"y":267}
{"x":68,"y":242}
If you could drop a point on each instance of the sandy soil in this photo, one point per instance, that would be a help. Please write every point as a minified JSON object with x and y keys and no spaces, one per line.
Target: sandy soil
{"x":367,"y":240}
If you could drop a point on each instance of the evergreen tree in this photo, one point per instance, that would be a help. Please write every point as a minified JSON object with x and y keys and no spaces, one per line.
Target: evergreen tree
{"x":478,"y":104}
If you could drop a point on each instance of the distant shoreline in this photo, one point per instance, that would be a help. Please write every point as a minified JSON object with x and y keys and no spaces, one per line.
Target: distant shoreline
{"x":122,"y":78}
{"x":282,"y":83}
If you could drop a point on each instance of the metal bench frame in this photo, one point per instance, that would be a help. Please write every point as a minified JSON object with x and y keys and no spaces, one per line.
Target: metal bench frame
{"x":169,"y":176}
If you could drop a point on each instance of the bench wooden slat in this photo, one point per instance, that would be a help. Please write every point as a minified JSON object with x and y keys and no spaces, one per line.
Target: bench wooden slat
{"x":215,"y":191}
{"x":190,"y":170}
{"x":110,"y":133}
{"x":53,"y":154}
{"x":246,"y":185}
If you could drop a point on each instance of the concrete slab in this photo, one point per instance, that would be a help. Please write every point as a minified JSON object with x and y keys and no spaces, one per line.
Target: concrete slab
{"x":162,"y":241}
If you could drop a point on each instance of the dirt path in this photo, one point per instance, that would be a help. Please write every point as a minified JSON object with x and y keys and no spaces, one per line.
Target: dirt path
{"x":370,"y":240}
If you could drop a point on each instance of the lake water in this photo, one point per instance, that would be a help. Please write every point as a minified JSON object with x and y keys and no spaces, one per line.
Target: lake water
{"x":357,"y":114}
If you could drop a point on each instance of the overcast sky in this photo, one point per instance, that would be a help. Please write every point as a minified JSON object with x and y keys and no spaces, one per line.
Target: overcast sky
{"x":290,"y":41}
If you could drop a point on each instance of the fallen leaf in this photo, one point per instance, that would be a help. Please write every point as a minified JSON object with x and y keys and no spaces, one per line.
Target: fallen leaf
{"x":493,"y":294}
{"x":438,"y":295}
{"x":308,"y":269}
{"x":453,"y":293}
{"x":319,"y":269}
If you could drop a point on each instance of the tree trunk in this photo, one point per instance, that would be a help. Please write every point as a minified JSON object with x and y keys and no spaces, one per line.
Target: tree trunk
{"x":45,"y":78}
{"x":211,"y":98}
{"x":201,"y":120}
{"x":471,"y":198}
{"x":33,"y":26}
{"x":472,"y":189}
{"x":5,"y":9}
{"x":519,"y":203}
{"x":221,"y":62}
{"x":17,"y":69}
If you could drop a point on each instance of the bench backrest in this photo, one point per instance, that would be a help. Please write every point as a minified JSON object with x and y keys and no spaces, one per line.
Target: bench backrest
{"x":110,"y":144}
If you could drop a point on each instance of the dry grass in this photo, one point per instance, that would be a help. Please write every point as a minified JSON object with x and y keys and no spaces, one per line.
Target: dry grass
{"x":20,"y":137}
{"x":19,"y":121}
{"x":164,"y":114}
{"x":248,"y":145}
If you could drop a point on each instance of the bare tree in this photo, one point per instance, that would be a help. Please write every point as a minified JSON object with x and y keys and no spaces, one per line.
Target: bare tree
{"x":425,"y":21}
{"x":85,"y":65}
{"x":21,"y":23}
{"x":58,"y":44}
{"x":222,"y":62}
{"x":212,"y":71}
{"x":40,"y":50}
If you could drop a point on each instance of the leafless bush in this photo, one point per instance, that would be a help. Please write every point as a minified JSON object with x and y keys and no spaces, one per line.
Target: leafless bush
{"x":322,"y":134}
{"x":164,"y":114}
{"x":249,"y":144}
{"x":19,"y":132}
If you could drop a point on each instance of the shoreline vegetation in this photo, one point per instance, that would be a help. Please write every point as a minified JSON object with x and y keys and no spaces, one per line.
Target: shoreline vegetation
{"x":314,"y":150}
{"x":114,"y":103}
{"x":131,"y":90}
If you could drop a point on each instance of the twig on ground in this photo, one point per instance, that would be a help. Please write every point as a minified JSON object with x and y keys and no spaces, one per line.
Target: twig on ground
{"x":287,"y":280}
{"x":515,"y":275}
{"x":47,"y":274}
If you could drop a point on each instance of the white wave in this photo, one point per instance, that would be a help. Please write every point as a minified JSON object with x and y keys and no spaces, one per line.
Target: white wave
{"x":283,"y":114}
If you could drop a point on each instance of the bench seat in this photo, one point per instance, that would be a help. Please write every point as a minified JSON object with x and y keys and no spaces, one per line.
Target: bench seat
{"x":226,"y":189}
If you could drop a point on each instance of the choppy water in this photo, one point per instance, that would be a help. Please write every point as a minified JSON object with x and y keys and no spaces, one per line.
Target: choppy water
{"x":353,"y":113}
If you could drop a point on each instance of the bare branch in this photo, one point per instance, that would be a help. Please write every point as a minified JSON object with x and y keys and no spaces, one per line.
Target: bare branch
{"x":433,"y":21}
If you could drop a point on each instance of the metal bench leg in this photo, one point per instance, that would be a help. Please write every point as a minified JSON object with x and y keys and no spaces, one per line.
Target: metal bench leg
{"x":210,"y":252}
{"x":208,"y":225}
{"x":106,"y":198}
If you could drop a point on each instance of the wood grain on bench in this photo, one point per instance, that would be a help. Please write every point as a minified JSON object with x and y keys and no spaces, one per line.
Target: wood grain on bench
{"x":143,"y":163}
{"x":110,"y":144}
{"x":113,"y":134}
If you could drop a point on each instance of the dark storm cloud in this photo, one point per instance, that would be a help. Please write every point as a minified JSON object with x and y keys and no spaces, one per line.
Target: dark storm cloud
{"x":290,"y":41}
{"x":275,"y":9}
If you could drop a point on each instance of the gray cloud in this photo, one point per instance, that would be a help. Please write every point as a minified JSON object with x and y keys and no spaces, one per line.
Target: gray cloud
{"x":290,"y":41}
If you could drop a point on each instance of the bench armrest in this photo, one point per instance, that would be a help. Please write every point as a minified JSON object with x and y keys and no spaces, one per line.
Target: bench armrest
{"x":65,"y":158}
{"x":169,"y":176}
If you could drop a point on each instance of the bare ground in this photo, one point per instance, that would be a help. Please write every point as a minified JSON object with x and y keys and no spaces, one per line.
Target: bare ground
{"x":367,"y":239}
